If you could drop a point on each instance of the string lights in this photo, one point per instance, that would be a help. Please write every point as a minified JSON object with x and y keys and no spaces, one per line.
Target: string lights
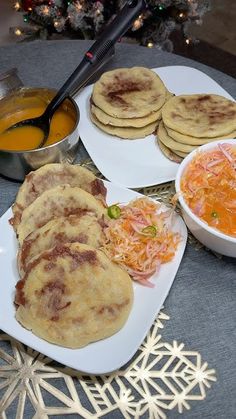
{"x":78,"y":6}
{"x":138,"y":23}
{"x":46,"y":10}
{"x":18,"y":32}
{"x":86,"y":18}
{"x":188,"y":41}
{"x":17,"y":6}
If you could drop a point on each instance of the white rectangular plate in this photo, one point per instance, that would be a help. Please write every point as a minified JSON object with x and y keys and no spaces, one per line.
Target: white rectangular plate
{"x":108,"y":354}
{"x":139,"y":163}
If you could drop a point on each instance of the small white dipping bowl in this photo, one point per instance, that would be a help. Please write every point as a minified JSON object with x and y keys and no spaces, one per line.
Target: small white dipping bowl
{"x":209,"y":236}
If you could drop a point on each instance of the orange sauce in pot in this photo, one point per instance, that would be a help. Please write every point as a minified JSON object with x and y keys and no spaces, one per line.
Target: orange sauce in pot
{"x":209,"y":187}
{"x":27,"y":138}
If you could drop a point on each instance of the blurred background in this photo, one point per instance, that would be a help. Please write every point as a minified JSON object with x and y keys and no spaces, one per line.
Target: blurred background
{"x":200,"y":29}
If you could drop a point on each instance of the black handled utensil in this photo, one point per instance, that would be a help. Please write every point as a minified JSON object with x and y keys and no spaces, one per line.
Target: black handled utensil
{"x":96,"y":56}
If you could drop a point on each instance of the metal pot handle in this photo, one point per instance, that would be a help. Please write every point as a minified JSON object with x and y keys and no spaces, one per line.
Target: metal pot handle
{"x":9,"y":81}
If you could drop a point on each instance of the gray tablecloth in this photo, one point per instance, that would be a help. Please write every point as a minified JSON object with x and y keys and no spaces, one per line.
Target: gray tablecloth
{"x":201,"y":302}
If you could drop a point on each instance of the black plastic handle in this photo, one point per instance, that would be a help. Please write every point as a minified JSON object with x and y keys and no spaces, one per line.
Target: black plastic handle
{"x":93,"y":70}
{"x":98,"y":52}
{"x":116,"y":29}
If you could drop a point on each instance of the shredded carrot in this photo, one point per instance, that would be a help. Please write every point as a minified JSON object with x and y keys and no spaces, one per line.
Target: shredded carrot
{"x":208,"y":186}
{"x":140,"y":240}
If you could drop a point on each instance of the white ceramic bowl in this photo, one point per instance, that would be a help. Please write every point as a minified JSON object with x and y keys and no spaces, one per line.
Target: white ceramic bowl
{"x":209,"y":236}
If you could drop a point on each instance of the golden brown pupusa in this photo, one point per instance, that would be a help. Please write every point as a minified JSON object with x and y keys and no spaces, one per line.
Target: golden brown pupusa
{"x":51,"y":175}
{"x":72,"y":295}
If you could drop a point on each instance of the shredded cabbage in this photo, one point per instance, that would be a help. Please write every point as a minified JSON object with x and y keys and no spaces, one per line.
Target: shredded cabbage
{"x":208,"y":186}
{"x":141,"y":239}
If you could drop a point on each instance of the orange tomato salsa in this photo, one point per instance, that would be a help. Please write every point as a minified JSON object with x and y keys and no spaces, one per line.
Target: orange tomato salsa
{"x":209,"y":187}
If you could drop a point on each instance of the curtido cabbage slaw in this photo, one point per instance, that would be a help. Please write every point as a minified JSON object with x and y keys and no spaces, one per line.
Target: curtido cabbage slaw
{"x":140,"y":239}
{"x":208,"y":186}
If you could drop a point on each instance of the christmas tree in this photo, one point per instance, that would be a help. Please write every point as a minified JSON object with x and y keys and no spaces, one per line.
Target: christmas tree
{"x":85,"y":19}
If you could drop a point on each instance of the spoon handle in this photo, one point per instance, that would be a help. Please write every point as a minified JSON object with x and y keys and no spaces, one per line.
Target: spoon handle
{"x":97,"y":53}
{"x":78,"y":86}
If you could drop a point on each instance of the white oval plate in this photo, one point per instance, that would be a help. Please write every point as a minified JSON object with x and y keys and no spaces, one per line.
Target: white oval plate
{"x":139,"y":163}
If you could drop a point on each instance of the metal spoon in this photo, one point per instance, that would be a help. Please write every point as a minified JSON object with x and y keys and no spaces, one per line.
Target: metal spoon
{"x":92,"y":60}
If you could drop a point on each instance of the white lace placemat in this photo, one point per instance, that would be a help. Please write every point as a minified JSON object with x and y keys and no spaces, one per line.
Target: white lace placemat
{"x":161,"y":377}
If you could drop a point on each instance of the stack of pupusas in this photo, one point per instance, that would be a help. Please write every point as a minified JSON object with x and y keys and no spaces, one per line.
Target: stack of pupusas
{"x":69,"y":293}
{"x":127,"y":102}
{"x":189,"y":121}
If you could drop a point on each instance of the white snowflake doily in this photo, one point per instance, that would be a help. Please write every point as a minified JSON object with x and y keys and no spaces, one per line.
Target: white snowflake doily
{"x":161,"y":377}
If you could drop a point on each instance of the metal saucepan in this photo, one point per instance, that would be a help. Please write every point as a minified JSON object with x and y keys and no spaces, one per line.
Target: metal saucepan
{"x":16,"y":164}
